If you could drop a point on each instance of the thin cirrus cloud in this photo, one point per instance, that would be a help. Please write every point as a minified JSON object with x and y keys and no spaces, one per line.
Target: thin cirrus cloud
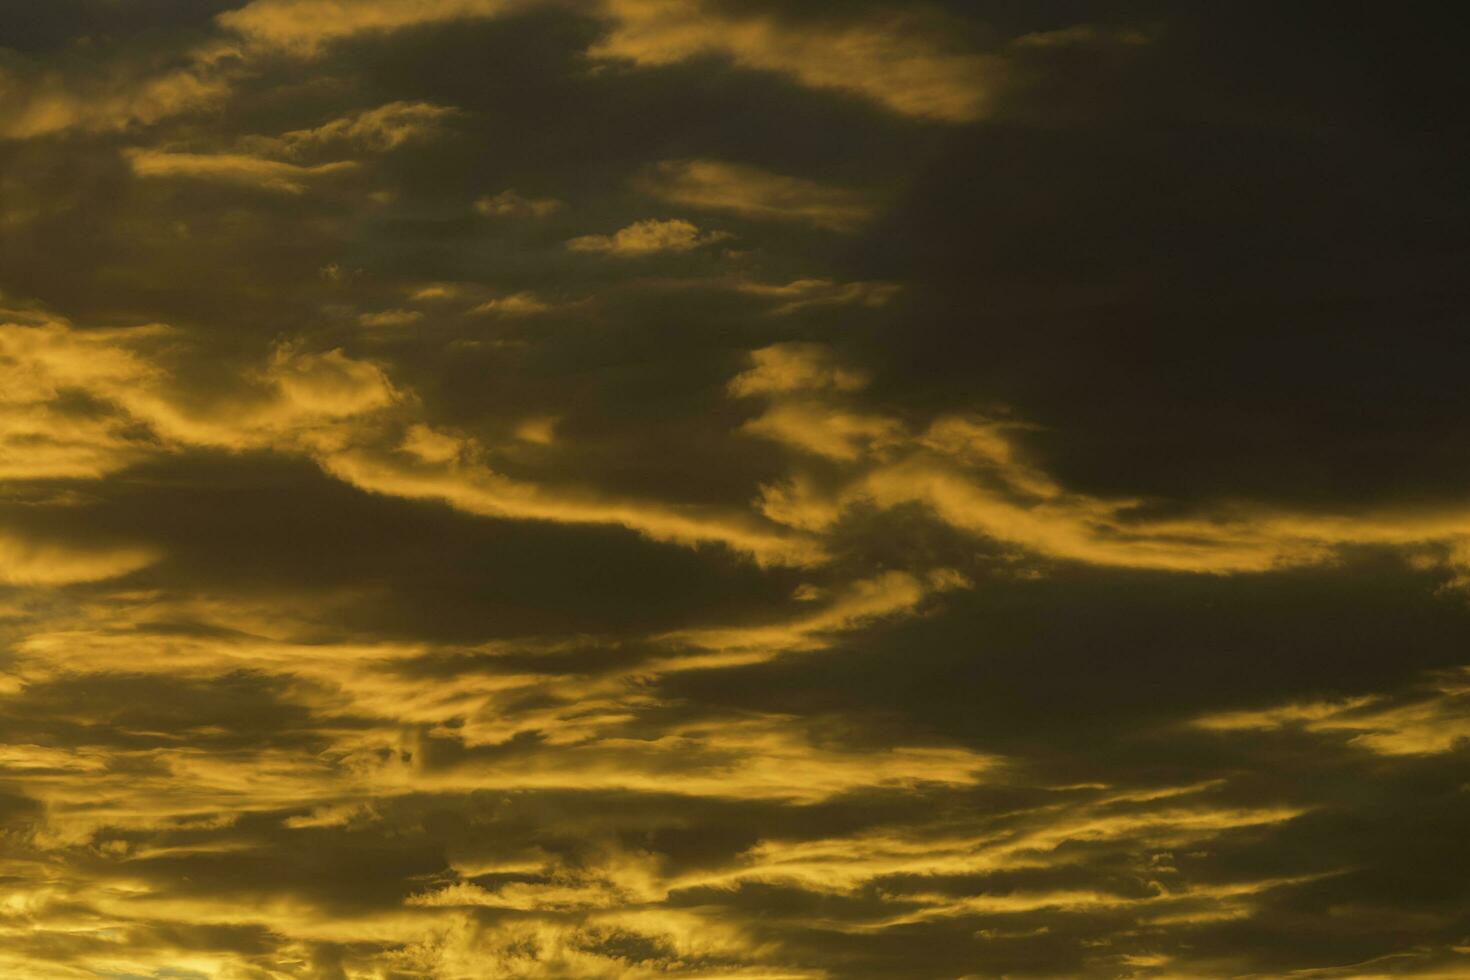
{"x":384,"y":128}
{"x":1428,"y":719}
{"x":333,"y":408}
{"x":479,"y":490}
{"x":27,"y":562}
{"x":906,"y":68}
{"x":112,"y":96}
{"x":800,"y":294}
{"x":754,"y":193}
{"x":513,"y":204}
{"x":378,"y":130}
{"x":968,"y":570}
{"x":514,"y":305}
{"x":971,"y":475}
{"x":40,"y":361}
{"x":295,"y":395}
{"x":233,"y":168}
{"x":303,"y":26}
{"x":390,"y":318}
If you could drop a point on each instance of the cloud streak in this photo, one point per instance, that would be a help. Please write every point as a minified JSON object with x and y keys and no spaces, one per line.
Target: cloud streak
{"x":684,"y":488}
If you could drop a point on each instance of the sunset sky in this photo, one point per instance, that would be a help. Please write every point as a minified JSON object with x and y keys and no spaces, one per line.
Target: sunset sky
{"x":733,"y":489}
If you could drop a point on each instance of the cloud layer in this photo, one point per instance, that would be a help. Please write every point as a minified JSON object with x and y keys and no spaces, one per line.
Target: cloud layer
{"x":543,"y":488}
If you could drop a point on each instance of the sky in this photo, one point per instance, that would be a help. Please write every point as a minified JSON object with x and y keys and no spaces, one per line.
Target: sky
{"x":733,"y":489}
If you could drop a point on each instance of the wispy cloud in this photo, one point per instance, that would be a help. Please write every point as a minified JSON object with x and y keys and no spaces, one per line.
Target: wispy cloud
{"x":901,"y":65}
{"x":755,"y":193}
{"x":799,"y":294}
{"x":512,"y":204}
{"x":647,"y":238}
{"x":303,"y":26}
{"x":377,"y":130}
{"x":232,"y":168}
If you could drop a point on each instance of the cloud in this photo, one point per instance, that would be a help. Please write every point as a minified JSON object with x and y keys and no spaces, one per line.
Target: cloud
{"x":390,"y":318}
{"x":539,"y":430}
{"x":896,"y":62}
{"x":434,"y":293}
{"x":647,"y":238}
{"x":819,"y":429}
{"x":515,"y":304}
{"x":340,"y":411}
{"x":970,"y":475}
{"x":478,"y":490}
{"x":304,"y":26}
{"x":902,"y":66}
{"x":728,"y":614}
{"x":858,"y":604}
{"x":232,"y":168}
{"x":43,"y":434}
{"x":754,"y":193}
{"x":799,"y":294}
{"x":1430,"y":719}
{"x":431,"y":446}
{"x":379,"y":130}
{"x":37,"y":563}
{"x":795,"y":367}
{"x":298,"y":398}
{"x":1083,"y":35}
{"x":114,"y":95}
{"x":512,"y":204}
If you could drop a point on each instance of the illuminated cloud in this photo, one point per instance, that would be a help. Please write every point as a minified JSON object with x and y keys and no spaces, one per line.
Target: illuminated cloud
{"x":901,"y":66}
{"x":754,"y":193}
{"x":1004,"y":559}
{"x":647,"y":238}
{"x":378,"y":130}
{"x":232,"y":168}
{"x":302,"y":26}
{"x":321,"y":403}
{"x":117,"y":96}
{"x":539,"y":430}
{"x":969,"y":474}
{"x":1083,"y":35}
{"x":478,"y":490}
{"x":859,"y":604}
{"x":434,"y":293}
{"x":294,"y":400}
{"x":1430,"y":719}
{"x":818,"y":429}
{"x":24,"y":562}
{"x":795,"y":367}
{"x":390,"y":318}
{"x":516,"y":304}
{"x":512,"y":204}
{"x":41,"y":435}
{"x":431,"y":446}
{"x":800,"y":294}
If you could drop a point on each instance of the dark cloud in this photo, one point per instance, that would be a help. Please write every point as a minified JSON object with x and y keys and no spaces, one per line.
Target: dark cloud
{"x":553,"y":489}
{"x":1214,"y":273}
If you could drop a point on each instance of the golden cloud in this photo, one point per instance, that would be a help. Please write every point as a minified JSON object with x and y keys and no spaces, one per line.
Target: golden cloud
{"x":511,"y":204}
{"x":754,"y":193}
{"x":232,"y":168}
{"x":117,"y":97}
{"x":894,"y":62}
{"x":303,"y":26}
{"x":800,"y":294}
{"x":970,"y":473}
{"x":647,"y":238}
{"x":25,"y":562}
